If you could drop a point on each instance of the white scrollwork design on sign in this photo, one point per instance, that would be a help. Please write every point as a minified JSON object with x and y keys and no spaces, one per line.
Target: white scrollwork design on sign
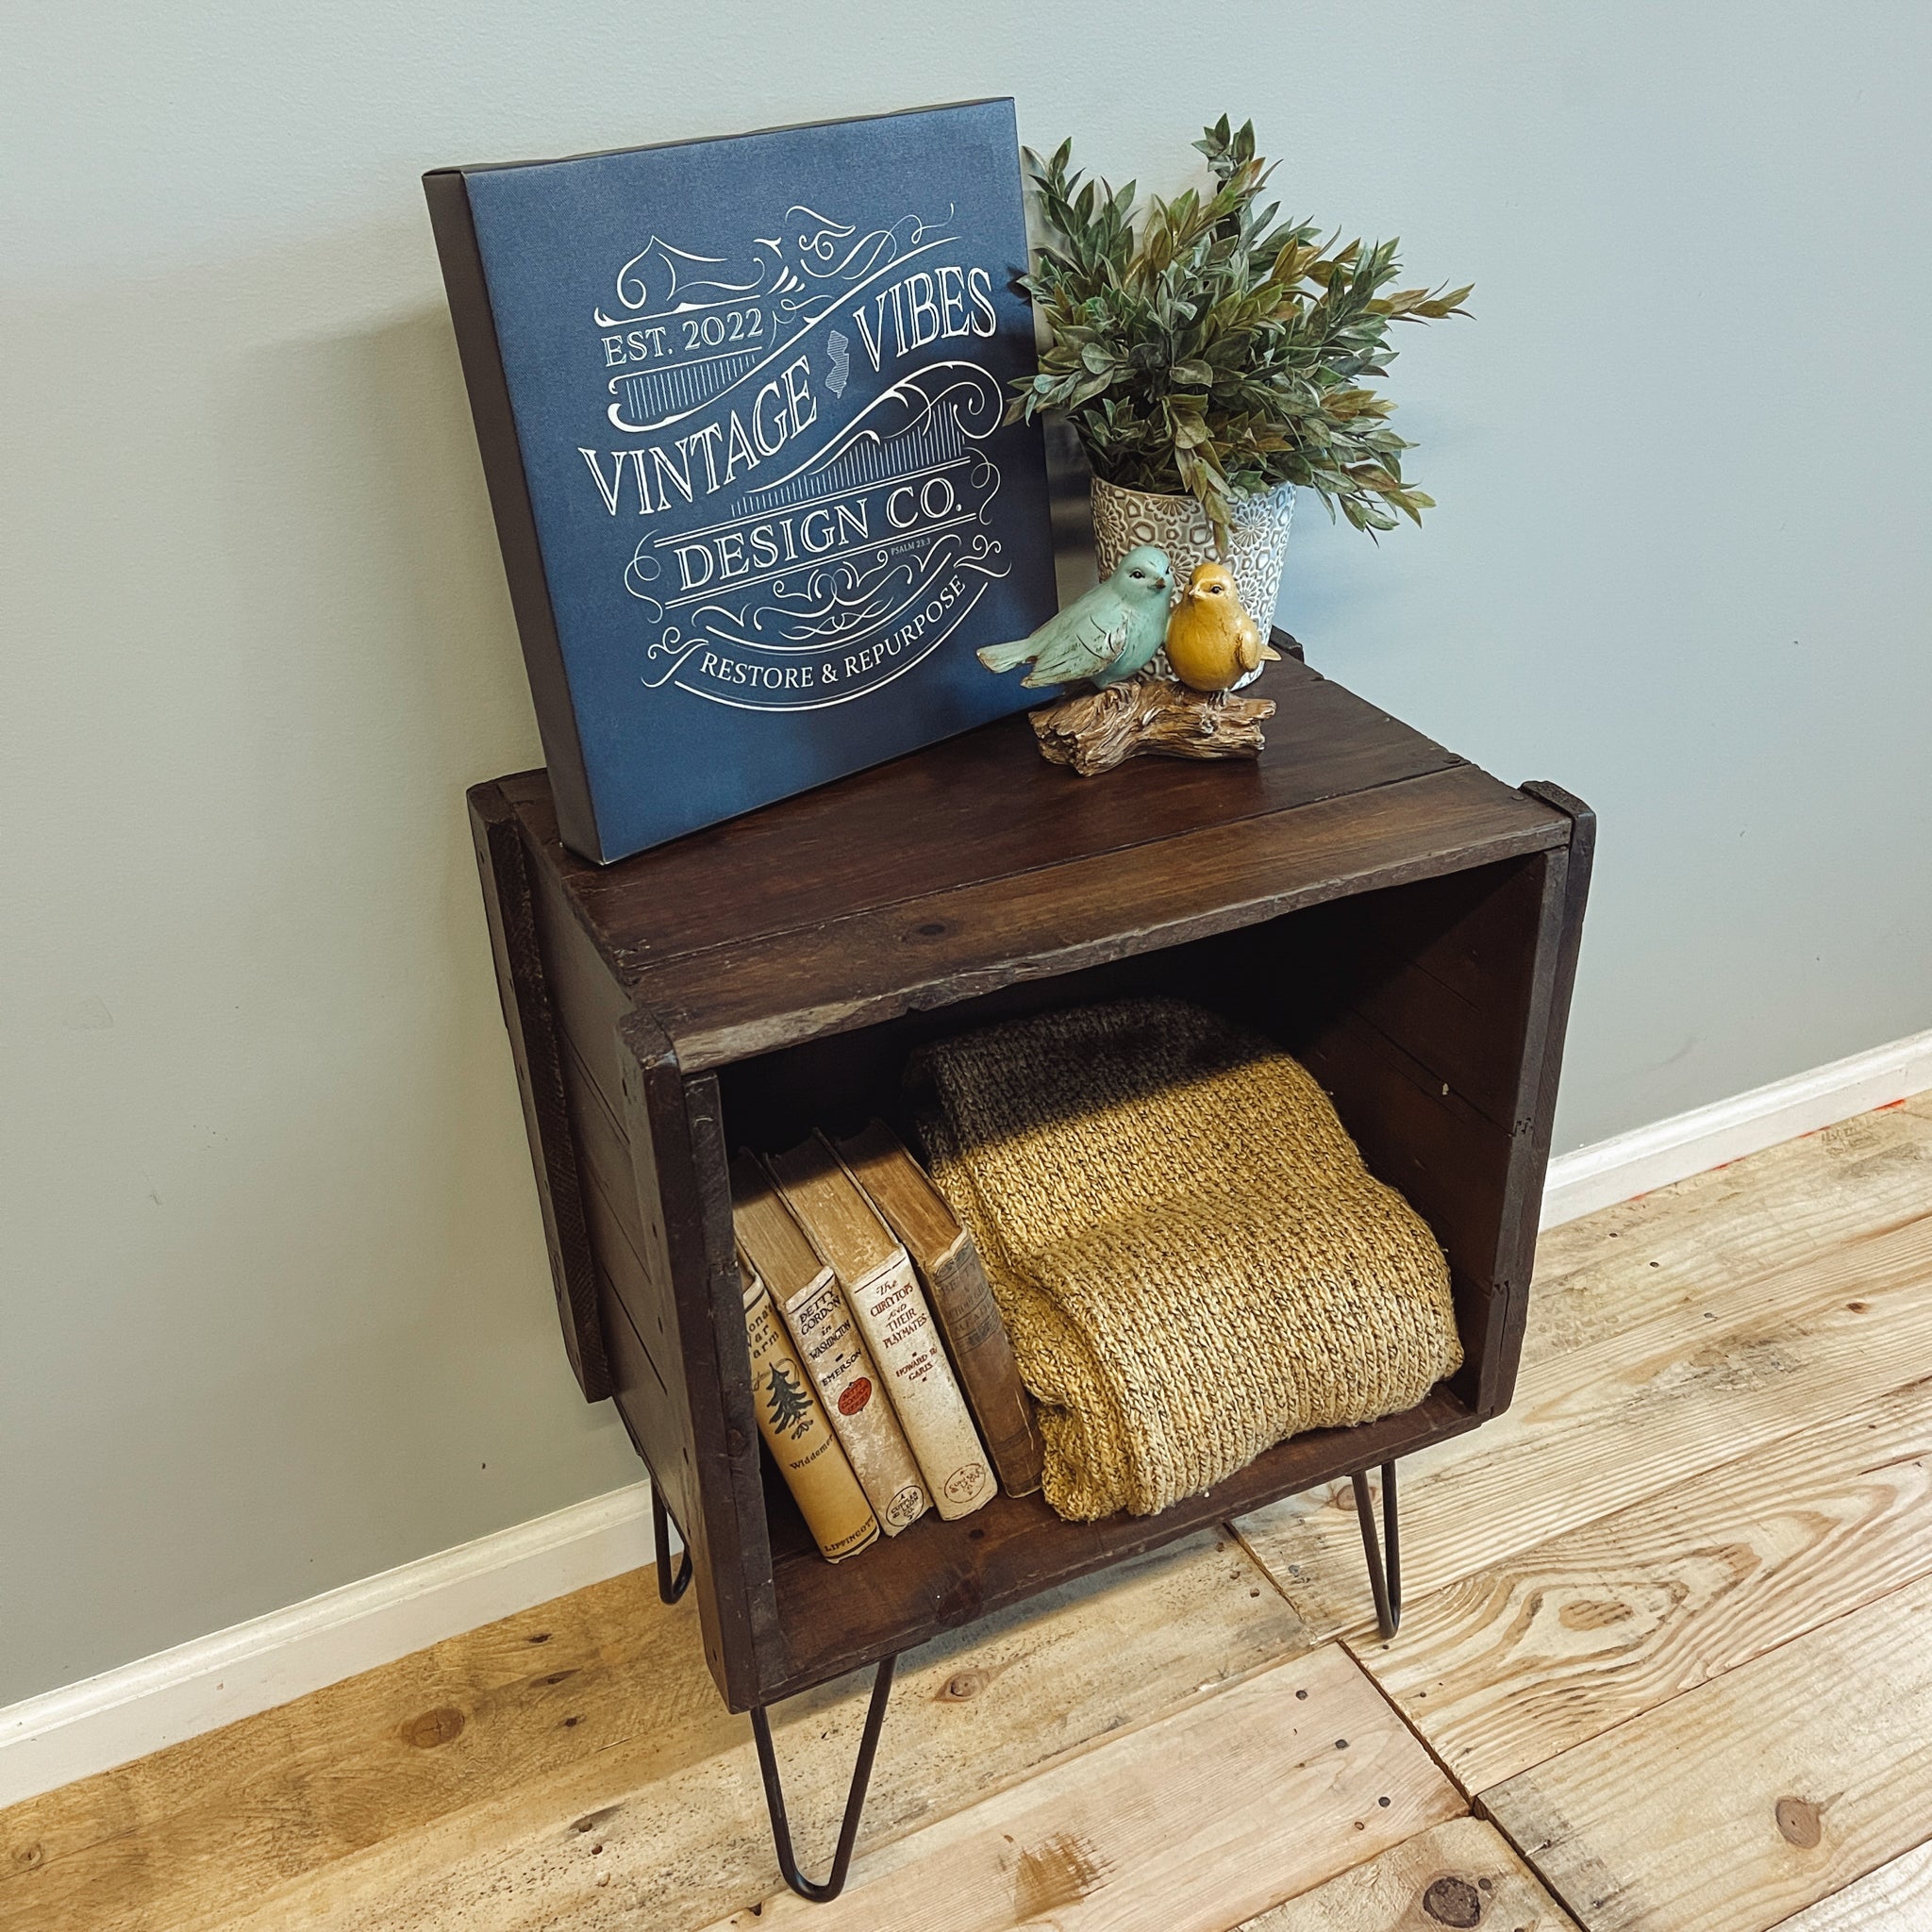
{"x":697,"y":326}
{"x":879,"y":596}
{"x":816,"y":241}
{"x":917,"y":410}
{"x":641,"y":574}
{"x":659,"y":280}
{"x":804,"y":549}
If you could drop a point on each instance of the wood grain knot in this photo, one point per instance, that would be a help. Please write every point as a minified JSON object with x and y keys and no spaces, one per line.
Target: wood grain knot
{"x":26,"y":1856}
{"x":963,"y":1685}
{"x":1799,"y":1823}
{"x":429,"y":1729}
{"x":1595,"y":1615}
{"x":1454,"y":1902}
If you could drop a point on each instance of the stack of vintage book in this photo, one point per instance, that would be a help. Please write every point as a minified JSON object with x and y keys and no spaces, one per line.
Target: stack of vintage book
{"x":883,"y":1377}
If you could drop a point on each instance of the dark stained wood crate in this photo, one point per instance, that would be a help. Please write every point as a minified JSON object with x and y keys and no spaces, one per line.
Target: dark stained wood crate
{"x":1403,"y":922}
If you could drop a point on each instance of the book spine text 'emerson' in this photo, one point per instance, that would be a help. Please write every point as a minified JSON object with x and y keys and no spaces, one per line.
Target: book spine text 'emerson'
{"x":842,"y":1371}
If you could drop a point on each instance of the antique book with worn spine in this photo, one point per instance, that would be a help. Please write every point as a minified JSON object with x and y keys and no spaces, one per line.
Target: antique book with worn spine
{"x":806,"y":1293}
{"x":877,"y":1277}
{"x":955,"y":1286}
{"x":792,"y":1422}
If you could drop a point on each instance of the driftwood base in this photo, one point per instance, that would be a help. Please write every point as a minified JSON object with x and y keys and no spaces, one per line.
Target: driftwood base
{"x":1148,"y":717}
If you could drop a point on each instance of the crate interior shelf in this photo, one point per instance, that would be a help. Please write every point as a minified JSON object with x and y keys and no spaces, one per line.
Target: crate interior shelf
{"x":838,"y":1616}
{"x":1401,"y":921}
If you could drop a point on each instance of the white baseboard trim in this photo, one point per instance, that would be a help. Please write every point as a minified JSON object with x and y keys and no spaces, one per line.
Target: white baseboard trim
{"x":121,"y":1714}
{"x":125,"y":1713}
{"x":1630,"y":1164}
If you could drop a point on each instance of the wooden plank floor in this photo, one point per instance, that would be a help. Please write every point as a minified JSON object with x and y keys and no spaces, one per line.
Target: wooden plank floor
{"x":1667,"y":1663}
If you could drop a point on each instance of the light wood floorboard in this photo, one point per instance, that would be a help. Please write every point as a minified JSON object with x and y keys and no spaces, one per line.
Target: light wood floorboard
{"x":1201,"y":1818}
{"x":340,"y":1812}
{"x":1547,"y":1649}
{"x":1702,"y":1239}
{"x":1742,"y":1801}
{"x":1461,"y":1874}
{"x":1895,"y":1898}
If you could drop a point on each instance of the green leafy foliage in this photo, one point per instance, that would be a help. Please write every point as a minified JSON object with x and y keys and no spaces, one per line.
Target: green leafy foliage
{"x":1211,"y":351}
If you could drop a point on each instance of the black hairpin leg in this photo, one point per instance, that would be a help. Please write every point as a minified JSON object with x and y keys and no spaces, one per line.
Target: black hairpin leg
{"x":855,"y":1804}
{"x":670,"y":1588}
{"x":1386,"y":1585}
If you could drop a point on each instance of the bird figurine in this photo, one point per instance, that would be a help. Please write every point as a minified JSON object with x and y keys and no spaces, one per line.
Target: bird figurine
{"x":1107,"y":635}
{"x":1211,"y":642}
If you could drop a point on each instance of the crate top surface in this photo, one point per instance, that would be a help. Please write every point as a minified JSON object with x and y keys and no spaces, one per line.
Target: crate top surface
{"x":972,"y":863}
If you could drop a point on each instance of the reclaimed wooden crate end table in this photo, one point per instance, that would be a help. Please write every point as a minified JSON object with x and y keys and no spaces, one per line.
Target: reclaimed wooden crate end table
{"x":1404,"y":923}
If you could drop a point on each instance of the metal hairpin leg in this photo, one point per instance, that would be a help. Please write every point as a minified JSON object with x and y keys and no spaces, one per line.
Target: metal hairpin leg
{"x":670,"y":1588}
{"x":1387,"y":1586}
{"x":855,"y":1803}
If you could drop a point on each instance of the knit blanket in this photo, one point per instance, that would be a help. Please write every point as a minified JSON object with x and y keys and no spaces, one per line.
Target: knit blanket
{"x":1190,"y":1258}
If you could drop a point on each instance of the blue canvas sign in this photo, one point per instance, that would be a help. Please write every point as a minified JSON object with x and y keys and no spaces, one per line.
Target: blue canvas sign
{"x":741,"y":402}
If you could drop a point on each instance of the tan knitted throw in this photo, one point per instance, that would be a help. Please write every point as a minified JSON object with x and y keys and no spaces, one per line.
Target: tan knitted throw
{"x":1191,"y":1259}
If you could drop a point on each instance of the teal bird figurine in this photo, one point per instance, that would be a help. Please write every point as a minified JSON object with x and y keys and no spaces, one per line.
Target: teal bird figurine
{"x":1107,"y":635}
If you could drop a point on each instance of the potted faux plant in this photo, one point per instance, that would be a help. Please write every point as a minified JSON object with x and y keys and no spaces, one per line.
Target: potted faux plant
{"x":1212,"y":361}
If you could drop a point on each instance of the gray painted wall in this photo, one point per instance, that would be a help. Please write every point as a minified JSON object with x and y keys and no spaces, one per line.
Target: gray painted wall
{"x":275,"y":1308}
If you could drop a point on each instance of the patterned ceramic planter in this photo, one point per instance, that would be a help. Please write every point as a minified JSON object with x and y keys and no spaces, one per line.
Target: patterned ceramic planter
{"x":1256,"y":552}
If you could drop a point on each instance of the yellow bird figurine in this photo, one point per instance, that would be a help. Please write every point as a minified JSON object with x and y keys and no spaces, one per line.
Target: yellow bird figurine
{"x":1211,"y":642}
